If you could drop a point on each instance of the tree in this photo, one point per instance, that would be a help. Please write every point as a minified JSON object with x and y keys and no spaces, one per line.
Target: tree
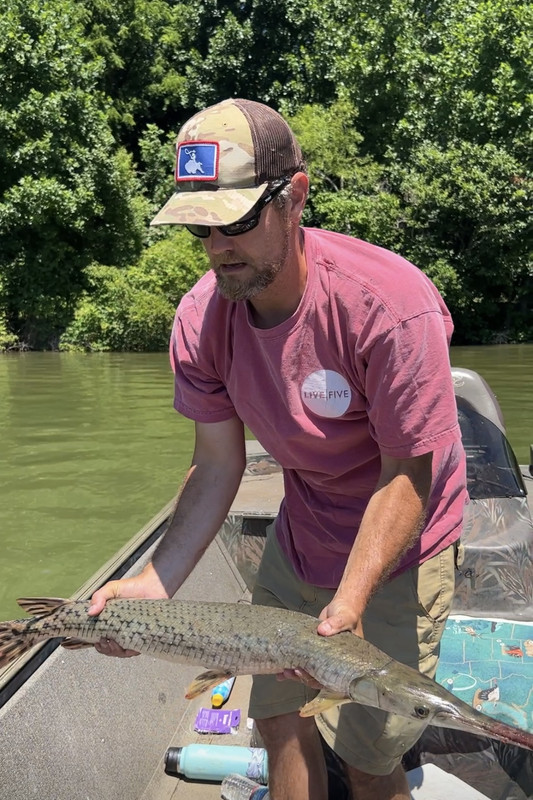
{"x":415,"y":118}
{"x":349,"y":191}
{"x":133,"y":309}
{"x":144,"y":46}
{"x":69,"y":196}
{"x":467,"y":224}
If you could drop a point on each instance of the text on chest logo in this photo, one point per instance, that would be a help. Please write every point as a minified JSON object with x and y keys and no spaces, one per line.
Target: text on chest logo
{"x":326,"y":393}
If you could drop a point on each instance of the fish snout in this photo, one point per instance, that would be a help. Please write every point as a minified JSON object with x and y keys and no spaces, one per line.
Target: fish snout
{"x":414,"y":696}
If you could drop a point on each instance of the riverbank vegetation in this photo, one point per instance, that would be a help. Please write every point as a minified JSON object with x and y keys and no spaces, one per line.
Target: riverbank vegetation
{"x":415,"y":119}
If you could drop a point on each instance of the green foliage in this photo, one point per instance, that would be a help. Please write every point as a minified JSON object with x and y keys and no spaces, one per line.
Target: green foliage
{"x":461,"y":213}
{"x":8,"y":341}
{"x":133,"y":309}
{"x":416,"y":119}
{"x":330,"y":141}
{"x":349,"y":192}
{"x":118,"y":315}
{"x":477,"y":76}
{"x":157,"y":156}
{"x":144,"y":46}
{"x":374,"y":217}
{"x":68,"y":195}
{"x":416,"y":72}
{"x":468,"y":210}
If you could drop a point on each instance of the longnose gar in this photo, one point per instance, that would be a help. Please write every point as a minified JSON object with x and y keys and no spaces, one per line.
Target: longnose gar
{"x":241,"y":639}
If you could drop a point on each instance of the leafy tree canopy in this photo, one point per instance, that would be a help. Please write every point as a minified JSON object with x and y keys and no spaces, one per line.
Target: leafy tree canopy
{"x":415,"y":119}
{"x":69,"y":195}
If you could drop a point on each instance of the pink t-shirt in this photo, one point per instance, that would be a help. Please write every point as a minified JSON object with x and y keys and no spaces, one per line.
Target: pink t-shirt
{"x":361,"y":367}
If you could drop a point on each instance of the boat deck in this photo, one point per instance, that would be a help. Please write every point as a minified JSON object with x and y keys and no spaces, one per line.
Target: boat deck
{"x":256,"y":505}
{"x":87,"y":728}
{"x":170,"y":787}
{"x":84,"y":727}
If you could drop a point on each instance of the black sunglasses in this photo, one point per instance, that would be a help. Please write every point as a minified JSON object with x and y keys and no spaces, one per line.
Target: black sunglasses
{"x":243,"y":225}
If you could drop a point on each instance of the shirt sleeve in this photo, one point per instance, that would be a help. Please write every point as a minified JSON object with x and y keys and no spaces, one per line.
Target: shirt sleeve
{"x":199,"y":392}
{"x":409,"y":390}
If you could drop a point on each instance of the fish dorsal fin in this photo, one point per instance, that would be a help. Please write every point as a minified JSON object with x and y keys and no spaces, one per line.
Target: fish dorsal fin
{"x":207,"y":680}
{"x":41,"y":606}
{"x":322,"y":702}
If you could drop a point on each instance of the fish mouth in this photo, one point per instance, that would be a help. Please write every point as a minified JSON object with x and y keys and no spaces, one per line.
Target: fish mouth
{"x":481,"y":725}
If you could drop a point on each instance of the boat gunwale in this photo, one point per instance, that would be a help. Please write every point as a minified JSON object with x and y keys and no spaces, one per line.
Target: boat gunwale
{"x":14,"y":675}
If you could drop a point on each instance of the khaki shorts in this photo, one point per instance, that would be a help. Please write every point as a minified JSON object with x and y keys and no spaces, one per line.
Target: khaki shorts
{"x":405,"y":618}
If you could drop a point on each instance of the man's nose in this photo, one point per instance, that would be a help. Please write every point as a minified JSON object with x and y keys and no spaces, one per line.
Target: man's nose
{"x":217,"y":242}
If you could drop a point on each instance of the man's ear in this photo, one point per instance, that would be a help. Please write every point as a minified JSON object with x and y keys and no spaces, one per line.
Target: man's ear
{"x":300,"y":190}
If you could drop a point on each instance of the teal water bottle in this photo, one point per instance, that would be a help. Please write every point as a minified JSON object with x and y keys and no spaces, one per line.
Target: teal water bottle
{"x":213,"y":762}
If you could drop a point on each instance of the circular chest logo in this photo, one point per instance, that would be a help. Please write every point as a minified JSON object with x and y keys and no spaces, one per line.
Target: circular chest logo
{"x":326,"y":393}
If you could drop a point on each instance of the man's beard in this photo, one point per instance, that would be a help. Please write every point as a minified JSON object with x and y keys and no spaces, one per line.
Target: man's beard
{"x":233,"y":288}
{"x":238,"y":289}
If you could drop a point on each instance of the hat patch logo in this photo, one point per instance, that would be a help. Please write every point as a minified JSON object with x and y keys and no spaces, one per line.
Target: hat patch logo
{"x":197,"y":161}
{"x":193,"y":165}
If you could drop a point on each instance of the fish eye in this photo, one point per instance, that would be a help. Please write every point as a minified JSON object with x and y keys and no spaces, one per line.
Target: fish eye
{"x":422,"y":712}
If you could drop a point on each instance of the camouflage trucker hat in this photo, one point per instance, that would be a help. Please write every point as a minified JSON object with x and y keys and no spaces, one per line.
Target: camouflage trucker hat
{"x":225,"y":158}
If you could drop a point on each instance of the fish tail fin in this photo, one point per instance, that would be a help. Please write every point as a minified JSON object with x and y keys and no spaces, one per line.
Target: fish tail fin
{"x":18,"y":636}
{"x":14,"y":641}
{"x":41,"y":606}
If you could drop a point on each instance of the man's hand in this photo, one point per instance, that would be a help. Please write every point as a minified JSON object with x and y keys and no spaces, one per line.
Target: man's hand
{"x":337,"y":616}
{"x":299,"y":675}
{"x":144,"y":586}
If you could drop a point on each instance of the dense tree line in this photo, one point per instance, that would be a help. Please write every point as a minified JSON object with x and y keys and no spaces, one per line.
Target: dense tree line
{"x":415,"y":118}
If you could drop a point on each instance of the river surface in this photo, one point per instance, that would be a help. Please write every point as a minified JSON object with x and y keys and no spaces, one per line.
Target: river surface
{"x":91,"y":449}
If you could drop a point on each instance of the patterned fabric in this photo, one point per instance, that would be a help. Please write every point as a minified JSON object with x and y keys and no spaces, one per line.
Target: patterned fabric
{"x":496,"y":577}
{"x":226,"y":155}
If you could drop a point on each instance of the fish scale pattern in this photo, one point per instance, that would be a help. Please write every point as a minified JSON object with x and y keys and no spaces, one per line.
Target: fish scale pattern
{"x":240,"y":639}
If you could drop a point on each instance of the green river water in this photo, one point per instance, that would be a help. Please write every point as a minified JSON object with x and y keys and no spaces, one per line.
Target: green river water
{"x":91,"y":449}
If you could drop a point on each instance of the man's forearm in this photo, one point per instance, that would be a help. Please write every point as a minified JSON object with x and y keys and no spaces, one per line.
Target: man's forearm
{"x":204,"y":501}
{"x":391,"y":525}
{"x":208,"y":491}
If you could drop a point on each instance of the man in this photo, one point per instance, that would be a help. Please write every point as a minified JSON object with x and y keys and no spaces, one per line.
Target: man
{"x":334,"y":353}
